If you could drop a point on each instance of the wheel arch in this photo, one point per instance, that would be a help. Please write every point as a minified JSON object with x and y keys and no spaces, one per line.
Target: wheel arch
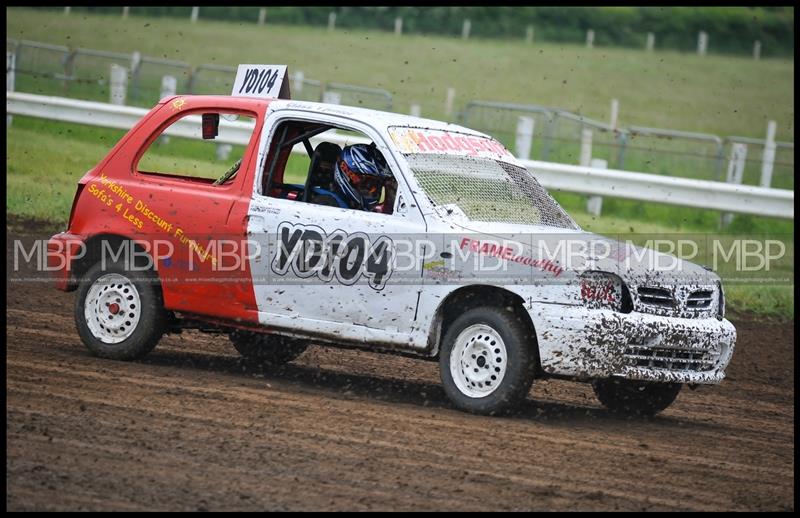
{"x":94,"y":250}
{"x":468,"y":297}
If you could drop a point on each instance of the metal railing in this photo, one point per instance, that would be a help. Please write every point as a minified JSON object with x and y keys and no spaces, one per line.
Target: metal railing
{"x":556,"y":135}
{"x":702,"y":147}
{"x":586,"y":180}
{"x":557,"y":132}
{"x":84,"y":74}
{"x":147,"y":77}
{"x":783,"y":172}
{"x":211,"y":79}
{"x":360,"y":96}
{"x":218,"y":80}
{"x":557,"y":138}
{"x":704,"y":194}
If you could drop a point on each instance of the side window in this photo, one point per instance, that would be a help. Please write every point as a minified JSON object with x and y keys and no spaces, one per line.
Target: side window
{"x":208,"y":156}
{"x":303,"y":161}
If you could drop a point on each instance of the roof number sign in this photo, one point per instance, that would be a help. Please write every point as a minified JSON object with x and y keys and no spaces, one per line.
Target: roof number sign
{"x":261,"y":81}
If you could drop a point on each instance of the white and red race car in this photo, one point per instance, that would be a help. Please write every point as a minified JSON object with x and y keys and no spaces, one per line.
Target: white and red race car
{"x":469,"y":261}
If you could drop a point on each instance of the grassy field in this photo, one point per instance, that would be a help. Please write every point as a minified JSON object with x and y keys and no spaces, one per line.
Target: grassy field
{"x":714,"y":94}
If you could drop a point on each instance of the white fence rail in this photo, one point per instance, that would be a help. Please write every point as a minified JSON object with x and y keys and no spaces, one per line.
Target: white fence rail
{"x":125,"y":117}
{"x":744,"y":199}
{"x":585,"y":180}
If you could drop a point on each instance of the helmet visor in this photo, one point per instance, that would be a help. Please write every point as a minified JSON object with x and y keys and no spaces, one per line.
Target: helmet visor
{"x":367,"y":186}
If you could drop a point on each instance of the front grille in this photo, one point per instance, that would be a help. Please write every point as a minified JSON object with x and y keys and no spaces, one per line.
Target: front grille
{"x":658,"y":297}
{"x":700,"y":299}
{"x":696,"y":360}
{"x":678,"y":301}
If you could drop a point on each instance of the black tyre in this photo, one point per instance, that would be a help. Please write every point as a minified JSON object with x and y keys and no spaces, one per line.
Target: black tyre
{"x":119,"y":314}
{"x":487,"y":359}
{"x":265,"y":349}
{"x":632,"y":397}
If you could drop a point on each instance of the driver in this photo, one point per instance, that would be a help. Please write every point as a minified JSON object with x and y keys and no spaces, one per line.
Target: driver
{"x":360,"y":174}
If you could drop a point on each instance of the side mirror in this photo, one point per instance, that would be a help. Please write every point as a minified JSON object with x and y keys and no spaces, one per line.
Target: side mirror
{"x":210,"y":125}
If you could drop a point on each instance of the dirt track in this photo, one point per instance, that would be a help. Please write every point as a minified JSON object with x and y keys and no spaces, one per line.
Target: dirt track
{"x":191,"y":427}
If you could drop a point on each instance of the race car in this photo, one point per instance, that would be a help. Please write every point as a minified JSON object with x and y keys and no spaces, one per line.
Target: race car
{"x":469,"y":261}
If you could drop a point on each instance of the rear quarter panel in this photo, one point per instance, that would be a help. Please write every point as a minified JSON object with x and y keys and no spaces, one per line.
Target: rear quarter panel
{"x":186,"y":216}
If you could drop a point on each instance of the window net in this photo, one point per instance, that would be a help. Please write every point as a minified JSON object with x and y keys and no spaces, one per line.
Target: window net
{"x":487,"y":190}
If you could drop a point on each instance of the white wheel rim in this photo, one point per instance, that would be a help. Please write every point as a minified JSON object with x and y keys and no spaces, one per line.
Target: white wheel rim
{"x":112,"y":308}
{"x":478,"y":361}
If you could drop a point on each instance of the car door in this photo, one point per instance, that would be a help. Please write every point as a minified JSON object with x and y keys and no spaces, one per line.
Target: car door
{"x":337,"y":273}
{"x":174,"y":204}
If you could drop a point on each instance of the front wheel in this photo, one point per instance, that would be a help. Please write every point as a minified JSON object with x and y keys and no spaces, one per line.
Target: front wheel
{"x":632,"y":397}
{"x":487,"y":360}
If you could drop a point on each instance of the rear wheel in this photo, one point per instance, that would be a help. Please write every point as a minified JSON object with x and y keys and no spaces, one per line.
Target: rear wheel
{"x":487,"y":360}
{"x":265,"y":349}
{"x":119,"y":314}
{"x":632,"y":397}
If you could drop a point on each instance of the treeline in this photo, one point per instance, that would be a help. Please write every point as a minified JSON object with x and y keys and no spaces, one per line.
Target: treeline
{"x":731,"y":30}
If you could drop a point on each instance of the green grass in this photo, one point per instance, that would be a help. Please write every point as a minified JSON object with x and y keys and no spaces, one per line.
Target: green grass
{"x":43,"y":169}
{"x":722,"y":95}
{"x":46,"y":159}
{"x":635,"y":214}
{"x":715,"y":94}
{"x":769,"y":301}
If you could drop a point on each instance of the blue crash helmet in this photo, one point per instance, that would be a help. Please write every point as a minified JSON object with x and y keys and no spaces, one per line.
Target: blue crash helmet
{"x":360,"y":173}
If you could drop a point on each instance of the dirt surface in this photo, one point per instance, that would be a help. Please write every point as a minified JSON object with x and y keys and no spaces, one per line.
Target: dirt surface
{"x":192,"y":428}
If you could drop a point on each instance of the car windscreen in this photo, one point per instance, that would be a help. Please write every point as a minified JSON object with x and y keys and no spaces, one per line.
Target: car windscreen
{"x":487,"y":189}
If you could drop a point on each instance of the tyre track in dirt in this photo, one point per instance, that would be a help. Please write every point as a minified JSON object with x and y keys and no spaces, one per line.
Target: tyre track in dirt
{"x":291,"y":403}
{"x":345,"y":442}
{"x":191,"y":427}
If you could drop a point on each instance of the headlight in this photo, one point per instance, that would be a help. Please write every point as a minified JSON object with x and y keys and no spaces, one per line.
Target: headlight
{"x":601,"y":290}
{"x":721,"y":305}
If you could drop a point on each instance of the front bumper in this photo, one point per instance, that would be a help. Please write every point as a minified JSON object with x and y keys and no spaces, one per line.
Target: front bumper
{"x":589,"y":343}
